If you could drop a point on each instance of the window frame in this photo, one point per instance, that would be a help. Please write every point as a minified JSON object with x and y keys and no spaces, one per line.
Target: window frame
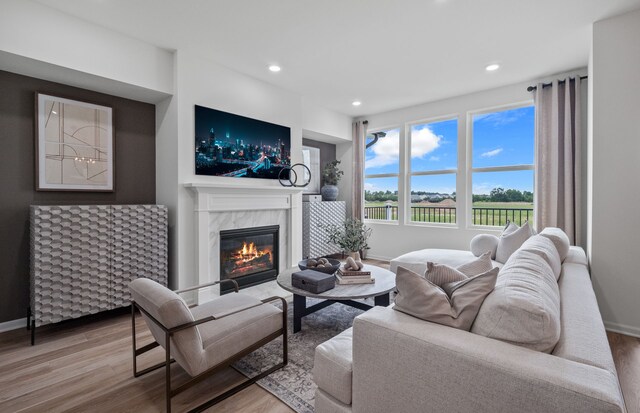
{"x":409,"y":173}
{"x":383,"y":175}
{"x":470,"y":170}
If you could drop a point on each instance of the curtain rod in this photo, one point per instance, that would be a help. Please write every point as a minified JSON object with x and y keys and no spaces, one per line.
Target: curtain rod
{"x":532,"y":88}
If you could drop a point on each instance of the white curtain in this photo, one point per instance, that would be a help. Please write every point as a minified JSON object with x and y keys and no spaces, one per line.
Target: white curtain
{"x":558,"y":164}
{"x":359,"y":132}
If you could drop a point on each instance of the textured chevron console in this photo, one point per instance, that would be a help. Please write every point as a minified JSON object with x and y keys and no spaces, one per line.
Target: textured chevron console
{"x":315,"y":217}
{"x":84,"y":256}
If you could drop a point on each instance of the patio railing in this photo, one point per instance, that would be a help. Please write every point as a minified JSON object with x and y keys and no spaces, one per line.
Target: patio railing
{"x":447,"y":215}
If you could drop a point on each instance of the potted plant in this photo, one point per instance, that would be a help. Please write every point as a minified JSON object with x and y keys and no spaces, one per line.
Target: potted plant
{"x":351,"y":236}
{"x":331,"y":175}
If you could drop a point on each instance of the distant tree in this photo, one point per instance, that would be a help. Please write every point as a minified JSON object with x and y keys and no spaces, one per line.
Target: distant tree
{"x":498,"y":195}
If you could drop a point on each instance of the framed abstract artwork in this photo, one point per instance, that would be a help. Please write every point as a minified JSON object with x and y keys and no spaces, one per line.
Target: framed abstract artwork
{"x":74,"y":145}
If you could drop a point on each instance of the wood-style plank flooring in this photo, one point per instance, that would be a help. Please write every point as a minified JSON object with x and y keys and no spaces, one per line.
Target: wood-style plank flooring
{"x":85,"y":366}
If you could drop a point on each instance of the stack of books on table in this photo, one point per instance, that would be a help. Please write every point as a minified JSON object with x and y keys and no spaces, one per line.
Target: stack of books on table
{"x":354,"y":277}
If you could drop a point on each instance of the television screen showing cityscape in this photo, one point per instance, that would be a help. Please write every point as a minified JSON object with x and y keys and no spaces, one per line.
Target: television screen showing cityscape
{"x":237,"y":146}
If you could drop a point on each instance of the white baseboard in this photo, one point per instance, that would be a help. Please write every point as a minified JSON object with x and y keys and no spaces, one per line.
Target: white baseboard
{"x":622,"y":329}
{"x":13,"y":325}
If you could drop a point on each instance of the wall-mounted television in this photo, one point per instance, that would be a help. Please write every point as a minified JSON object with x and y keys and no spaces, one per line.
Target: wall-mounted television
{"x":236,"y":146}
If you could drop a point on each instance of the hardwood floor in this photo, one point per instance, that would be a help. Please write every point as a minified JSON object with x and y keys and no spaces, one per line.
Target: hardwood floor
{"x":85,"y":366}
{"x":626,"y":355}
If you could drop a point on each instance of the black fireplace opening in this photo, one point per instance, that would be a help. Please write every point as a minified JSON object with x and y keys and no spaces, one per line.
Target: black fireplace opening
{"x":249,"y":256}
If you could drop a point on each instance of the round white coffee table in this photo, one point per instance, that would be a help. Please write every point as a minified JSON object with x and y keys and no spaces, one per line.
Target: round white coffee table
{"x":343,"y":294}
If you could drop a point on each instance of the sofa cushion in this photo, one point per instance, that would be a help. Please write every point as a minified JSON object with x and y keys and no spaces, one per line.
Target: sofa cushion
{"x":524,"y":307}
{"x":416,"y":261}
{"x":583,"y":338}
{"x":576,"y":255}
{"x":332,"y":366}
{"x":560,"y":240}
{"x":545,"y":248}
{"x":511,"y":239}
{"x":482,"y":243}
{"x":455,"y":306}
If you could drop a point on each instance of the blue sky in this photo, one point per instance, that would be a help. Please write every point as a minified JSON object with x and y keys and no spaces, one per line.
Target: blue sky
{"x":499,"y":139}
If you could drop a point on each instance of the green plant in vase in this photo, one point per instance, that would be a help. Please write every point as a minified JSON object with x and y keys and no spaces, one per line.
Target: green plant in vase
{"x":331,"y":175}
{"x":351,"y":236}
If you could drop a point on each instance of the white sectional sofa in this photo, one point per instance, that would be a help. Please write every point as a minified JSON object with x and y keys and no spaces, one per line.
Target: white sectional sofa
{"x":393,"y":362}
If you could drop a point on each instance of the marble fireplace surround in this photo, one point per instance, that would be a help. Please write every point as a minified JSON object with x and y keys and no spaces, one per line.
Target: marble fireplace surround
{"x":222,"y":206}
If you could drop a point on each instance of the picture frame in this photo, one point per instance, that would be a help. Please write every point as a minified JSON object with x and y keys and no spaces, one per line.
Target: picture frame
{"x":75,"y":145}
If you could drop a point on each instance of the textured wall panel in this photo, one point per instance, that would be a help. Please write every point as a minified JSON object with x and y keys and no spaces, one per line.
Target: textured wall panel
{"x":83,"y":257}
{"x":315,"y":217}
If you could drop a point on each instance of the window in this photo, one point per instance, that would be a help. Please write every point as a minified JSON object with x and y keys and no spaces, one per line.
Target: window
{"x":434,"y":163}
{"x":502,"y":172}
{"x":381,"y":169}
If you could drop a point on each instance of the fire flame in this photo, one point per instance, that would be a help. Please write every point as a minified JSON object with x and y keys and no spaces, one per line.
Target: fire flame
{"x":250,"y":251}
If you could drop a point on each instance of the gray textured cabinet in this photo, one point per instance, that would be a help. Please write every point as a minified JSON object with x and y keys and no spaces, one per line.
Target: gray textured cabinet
{"x":316,"y":216}
{"x":84,"y":256}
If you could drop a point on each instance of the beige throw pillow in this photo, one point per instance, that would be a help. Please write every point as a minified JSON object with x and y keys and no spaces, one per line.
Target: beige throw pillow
{"x":511,"y":239}
{"x":524,"y":307}
{"x":559,"y":239}
{"x":421,"y":298}
{"x":441,"y":274}
{"x":478,"y":266}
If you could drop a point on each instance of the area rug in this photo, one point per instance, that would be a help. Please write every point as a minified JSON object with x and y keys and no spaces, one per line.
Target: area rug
{"x":294,"y":384}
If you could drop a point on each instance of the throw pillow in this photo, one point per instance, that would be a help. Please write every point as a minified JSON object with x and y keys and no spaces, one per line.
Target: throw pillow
{"x":421,"y":298}
{"x":559,"y":239}
{"x":524,"y":307}
{"x":441,"y":274}
{"x":510,"y":240}
{"x":482,"y":243}
{"x":544,"y":247}
{"x":478,"y":266}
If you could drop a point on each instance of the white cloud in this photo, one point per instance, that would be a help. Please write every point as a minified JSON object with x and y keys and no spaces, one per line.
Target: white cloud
{"x":491,"y":153}
{"x":434,"y":158}
{"x":424,"y":141}
{"x":386,"y":151}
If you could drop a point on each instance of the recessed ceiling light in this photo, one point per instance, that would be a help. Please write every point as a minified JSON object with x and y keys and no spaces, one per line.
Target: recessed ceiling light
{"x":356,"y":103}
{"x":275,"y":68}
{"x":492,"y":67}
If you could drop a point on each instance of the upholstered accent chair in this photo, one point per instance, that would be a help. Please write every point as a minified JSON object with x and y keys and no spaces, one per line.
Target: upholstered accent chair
{"x":206,"y":338}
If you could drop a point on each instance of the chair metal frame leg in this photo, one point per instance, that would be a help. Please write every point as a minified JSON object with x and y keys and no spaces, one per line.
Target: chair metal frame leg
{"x":171,"y":392}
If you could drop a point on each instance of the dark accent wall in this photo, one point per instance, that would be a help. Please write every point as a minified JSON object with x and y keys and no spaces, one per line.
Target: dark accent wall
{"x":327,"y":152}
{"x":134,"y":126}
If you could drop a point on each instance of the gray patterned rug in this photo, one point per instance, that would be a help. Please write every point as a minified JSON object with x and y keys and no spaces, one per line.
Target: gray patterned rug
{"x":294,"y":384}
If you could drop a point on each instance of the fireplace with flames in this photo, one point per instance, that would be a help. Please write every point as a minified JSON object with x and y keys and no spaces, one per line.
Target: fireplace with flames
{"x":248,"y":256}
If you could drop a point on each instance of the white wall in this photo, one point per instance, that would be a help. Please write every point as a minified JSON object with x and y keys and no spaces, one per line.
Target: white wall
{"x":615,"y":153}
{"x":323,"y":124}
{"x":37,"y":32}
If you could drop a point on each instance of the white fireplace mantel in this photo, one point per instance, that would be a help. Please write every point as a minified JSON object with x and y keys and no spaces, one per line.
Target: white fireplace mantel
{"x":216,"y":198}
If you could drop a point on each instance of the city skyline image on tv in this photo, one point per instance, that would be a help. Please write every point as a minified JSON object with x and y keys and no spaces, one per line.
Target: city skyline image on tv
{"x":236,"y":146}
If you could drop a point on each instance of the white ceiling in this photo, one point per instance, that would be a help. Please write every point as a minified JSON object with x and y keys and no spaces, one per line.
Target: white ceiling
{"x":388,"y":54}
